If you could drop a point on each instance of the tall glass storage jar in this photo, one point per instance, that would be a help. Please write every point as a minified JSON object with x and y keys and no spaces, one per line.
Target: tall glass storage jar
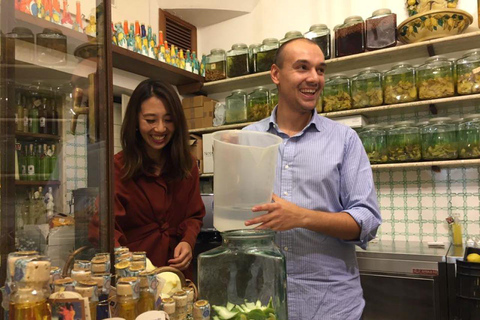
{"x":468,"y":72}
{"x":350,"y":37}
{"x":236,"y":107}
{"x":237,"y":61}
{"x":266,"y":54}
{"x":381,"y":30}
{"x":252,"y":56}
{"x":374,"y":140}
{"x":23,"y":40}
{"x":367,"y":89}
{"x":321,"y":35}
{"x":258,"y":104}
{"x":439,"y":139}
{"x":215,"y":65}
{"x":51,"y":47}
{"x":248,"y":269}
{"x":336,"y":94}
{"x":399,"y":84}
{"x":469,"y":137}
{"x":435,"y":78}
{"x":291,"y":35}
{"x":404,"y":142}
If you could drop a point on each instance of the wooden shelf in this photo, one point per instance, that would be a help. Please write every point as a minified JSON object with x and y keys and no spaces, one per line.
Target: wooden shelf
{"x":37,"y":183}
{"x":35,"y":136}
{"x":424,"y":164}
{"x":133,"y":62}
{"x":399,"y":53}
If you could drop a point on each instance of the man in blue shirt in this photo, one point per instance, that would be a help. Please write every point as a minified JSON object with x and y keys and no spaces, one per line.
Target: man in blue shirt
{"x":325,"y":201}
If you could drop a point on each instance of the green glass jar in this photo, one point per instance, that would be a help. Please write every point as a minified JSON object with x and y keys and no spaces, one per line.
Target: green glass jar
{"x":215,"y":65}
{"x":266,"y":54}
{"x":237,"y":61}
{"x":374,"y":140}
{"x":336,"y":94}
{"x":399,"y":84}
{"x":291,"y":35}
{"x":236,"y":107}
{"x":273,"y":99}
{"x":439,"y":139}
{"x":468,"y":72}
{"x":404,"y":142}
{"x":435,"y":78}
{"x":469,"y":137}
{"x":252,"y":56}
{"x":320,"y":34}
{"x":367,"y":89}
{"x":258,"y":104}
{"x":247,"y":269}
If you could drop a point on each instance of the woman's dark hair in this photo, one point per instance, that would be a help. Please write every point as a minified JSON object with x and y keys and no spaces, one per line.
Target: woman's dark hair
{"x":178,"y":161}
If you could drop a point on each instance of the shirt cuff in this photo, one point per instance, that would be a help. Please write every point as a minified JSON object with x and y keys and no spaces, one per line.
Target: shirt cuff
{"x":367,"y":230}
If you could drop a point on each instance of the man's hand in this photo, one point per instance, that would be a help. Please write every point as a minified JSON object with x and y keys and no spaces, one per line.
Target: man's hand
{"x":182,"y":256}
{"x":282,"y":215}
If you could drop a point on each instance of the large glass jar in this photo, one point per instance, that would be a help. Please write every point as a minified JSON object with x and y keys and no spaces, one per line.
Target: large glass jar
{"x":252,"y":56}
{"x":23,"y":40}
{"x":215,"y":65}
{"x":404,"y":142}
{"x":273,"y":99}
{"x":247,"y":269}
{"x":237,"y":61}
{"x":399,"y":84}
{"x":236,"y":107}
{"x":469,"y":137}
{"x":381,"y":30}
{"x":336,"y":94}
{"x":321,"y":35}
{"x":435,"y":78}
{"x":258,"y":104}
{"x":266,"y":54}
{"x":374,"y":140}
{"x":350,"y":37}
{"x":439,"y":139}
{"x":367,"y":89}
{"x":291,"y":35}
{"x":52,"y":47}
{"x":468,"y":72}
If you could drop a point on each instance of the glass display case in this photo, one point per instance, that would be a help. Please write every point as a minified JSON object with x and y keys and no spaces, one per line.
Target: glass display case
{"x":55,"y":119}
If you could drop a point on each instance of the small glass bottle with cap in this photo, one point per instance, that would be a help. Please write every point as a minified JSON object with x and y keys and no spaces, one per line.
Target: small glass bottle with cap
{"x":381,"y":30}
{"x":367,"y":89}
{"x":237,"y":61}
{"x":321,"y":35}
{"x":350,"y":37}
{"x":168,"y":305}
{"x":215,"y":65}
{"x":128,"y":290}
{"x":201,"y":310}
{"x":258,"y":104}
{"x":439,"y":139}
{"x":399,"y":84}
{"x":291,"y":35}
{"x":88,"y":289}
{"x":435,"y":78}
{"x":236,"y":107}
{"x":468,"y":72}
{"x":404,"y":142}
{"x":266,"y":54}
{"x":336,"y":93}
{"x":469,"y":137}
{"x":190,"y":298}
{"x":146,"y":301}
{"x":181,"y":309}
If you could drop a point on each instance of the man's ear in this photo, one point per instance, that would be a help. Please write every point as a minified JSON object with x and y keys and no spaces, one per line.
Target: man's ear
{"x":275,"y":74}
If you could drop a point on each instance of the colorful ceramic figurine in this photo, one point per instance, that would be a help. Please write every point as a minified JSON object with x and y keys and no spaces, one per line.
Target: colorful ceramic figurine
{"x":202,"y":66}
{"x":114,"y":37}
{"x":23,"y":6}
{"x":154,"y":47}
{"x":56,"y":14}
{"x":138,"y":38}
{"x":131,"y":38}
{"x":120,"y":35}
{"x":91,"y":28}
{"x":168,"y":57}
{"x":40,"y":9}
{"x":48,"y":9}
{"x":188,"y":62}
{"x":161,"y":53}
{"x":78,"y":25}
{"x":195,"y":63}
{"x":144,"y":41}
{"x":67,"y":17}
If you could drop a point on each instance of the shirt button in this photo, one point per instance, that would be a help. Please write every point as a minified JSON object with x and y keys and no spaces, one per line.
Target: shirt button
{"x":285,"y":248}
{"x":285,"y":193}
{"x":286,"y":166}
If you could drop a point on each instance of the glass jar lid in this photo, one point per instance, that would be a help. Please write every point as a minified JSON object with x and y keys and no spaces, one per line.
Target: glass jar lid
{"x":404,"y":124}
{"x":367,"y":73}
{"x":472,"y":55}
{"x":217,"y":51}
{"x":352,"y":20}
{"x":20,"y":32}
{"x":436,"y":60}
{"x":318,"y":27}
{"x":440,"y":120}
{"x":292,"y":35}
{"x":373,"y":126}
{"x":239,"y":46}
{"x":270,"y":41}
{"x":340,"y":77}
{"x":238,"y":91}
{"x":471,"y":117}
{"x":381,"y":12}
{"x":51,"y":33}
{"x":254,"y":46}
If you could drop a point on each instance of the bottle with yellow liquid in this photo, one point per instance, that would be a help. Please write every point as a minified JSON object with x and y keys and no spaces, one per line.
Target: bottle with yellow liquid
{"x":128,"y":289}
{"x":456,"y":226}
{"x":88,"y":289}
{"x":146,"y":302}
{"x":29,"y":300}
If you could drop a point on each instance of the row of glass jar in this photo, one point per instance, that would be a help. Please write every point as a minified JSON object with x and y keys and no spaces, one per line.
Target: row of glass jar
{"x":437,"y":139}
{"x":243,"y":107}
{"x":436,"y":78}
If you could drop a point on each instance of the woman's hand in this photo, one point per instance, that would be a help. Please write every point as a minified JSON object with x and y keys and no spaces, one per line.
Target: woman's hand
{"x":182,"y":256}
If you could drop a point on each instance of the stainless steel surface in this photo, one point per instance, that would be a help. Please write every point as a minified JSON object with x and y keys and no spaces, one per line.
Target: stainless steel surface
{"x":455,"y":253}
{"x":208,"y":219}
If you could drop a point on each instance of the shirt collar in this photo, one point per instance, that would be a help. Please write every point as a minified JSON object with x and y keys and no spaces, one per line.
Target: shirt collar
{"x":316,"y":122}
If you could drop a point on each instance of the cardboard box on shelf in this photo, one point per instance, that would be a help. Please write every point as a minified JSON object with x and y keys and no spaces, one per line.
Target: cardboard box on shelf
{"x":187,"y":103}
{"x":192,"y":113}
{"x":195,"y":123}
{"x":199,"y":101}
{"x":207,"y":122}
{"x":209,"y":106}
{"x":196,"y":146}
{"x":207,"y":153}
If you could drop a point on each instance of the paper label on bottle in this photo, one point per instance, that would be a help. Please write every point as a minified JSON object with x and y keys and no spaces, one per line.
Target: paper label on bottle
{"x":31,"y":170}
{"x":43,"y":122}
{"x":213,"y":66}
{"x":30,"y":122}
{"x":25,"y":121}
{"x":16,"y":118}
{"x":23,"y":169}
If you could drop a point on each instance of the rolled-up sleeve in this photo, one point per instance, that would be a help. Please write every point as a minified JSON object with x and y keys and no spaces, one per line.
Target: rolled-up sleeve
{"x":358,"y":195}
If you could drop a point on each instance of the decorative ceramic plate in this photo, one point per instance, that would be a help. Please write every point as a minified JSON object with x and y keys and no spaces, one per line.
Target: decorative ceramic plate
{"x":434,"y":24}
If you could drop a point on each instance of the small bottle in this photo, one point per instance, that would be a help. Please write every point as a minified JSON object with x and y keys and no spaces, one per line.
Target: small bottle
{"x":127,"y":297}
{"x":31,"y":163}
{"x":33,"y":122}
{"x":168,"y":305}
{"x":103,"y":281}
{"x":42,"y":117}
{"x":19,"y":114}
{"x":26,"y":112}
{"x":181,"y":309}
{"x":190,"y":298}
{"x":44,"y":163}
{"x":146,"y":301}
{"x":53,"y":118}
{"x":88,"y":289}
{"x":53,"y":165}
{"x":201,"y":310}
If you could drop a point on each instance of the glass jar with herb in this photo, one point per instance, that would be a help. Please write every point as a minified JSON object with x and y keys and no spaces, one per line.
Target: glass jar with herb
{"x":252,"y":56}
{"x":374,"y":140}
{"x":23,"y":40}
{"x":439,"y":139}
{"x":237,"y":61}
{"x":350,"y":37}
{"x":236,"y":107}
{"x":336,"y":94}
{"x":266,"y":54}
{"x":215,"y":65}
{"x":469,"y":137}
{"x":399,"y":84}
{"x":291,"y":35}
{"x":321,"y":35}
{"x":367,"y":89}
{"x":52,"y":47}
{"x":468,"y":72}
{"x":435,"y":78}
{"x":258,"y":104}
{"x":381,"y":30}
{"x":273,"y":99}
{"x":404,"y":142}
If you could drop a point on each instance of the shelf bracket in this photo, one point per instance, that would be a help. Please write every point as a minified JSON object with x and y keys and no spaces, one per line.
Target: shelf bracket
{"x":431,"y":50}
{"x":433,"y":108}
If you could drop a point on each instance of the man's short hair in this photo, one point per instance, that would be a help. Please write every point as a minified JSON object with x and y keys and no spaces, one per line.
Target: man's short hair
{"x":279,"y":55}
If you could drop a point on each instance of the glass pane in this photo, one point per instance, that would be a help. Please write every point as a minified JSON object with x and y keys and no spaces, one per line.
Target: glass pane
{"x":54,"y":158}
